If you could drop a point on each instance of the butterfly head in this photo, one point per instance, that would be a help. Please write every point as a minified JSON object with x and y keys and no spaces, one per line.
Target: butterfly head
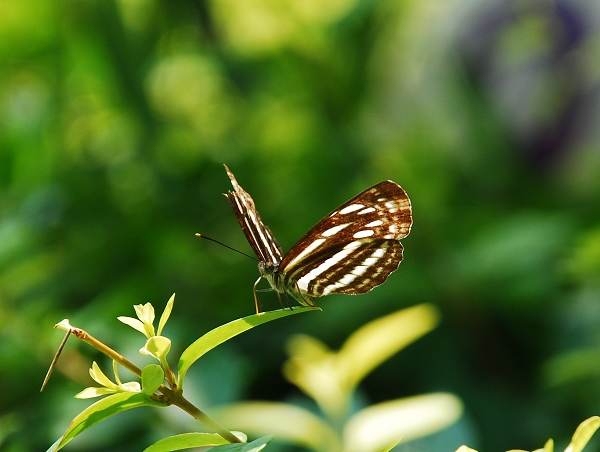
{"x":267,"y":268}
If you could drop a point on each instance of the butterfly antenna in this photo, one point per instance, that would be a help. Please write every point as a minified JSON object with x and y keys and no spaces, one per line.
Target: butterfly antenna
{"x":202,"y":236}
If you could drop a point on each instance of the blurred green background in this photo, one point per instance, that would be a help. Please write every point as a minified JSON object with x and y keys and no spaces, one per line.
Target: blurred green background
{"x":116,"y":118}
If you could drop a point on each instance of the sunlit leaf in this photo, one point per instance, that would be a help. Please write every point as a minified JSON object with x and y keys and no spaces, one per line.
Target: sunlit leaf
{"x":165,"y":315}
{"x":548,"y":447}
{"x":99,"y":376}
{"x":90,"y":393}
{"x":255,"y":446}
{"x":583,"y":434}
{"x":186,"y":441}
{"x":391,"y":446}
{"x":145,"y":312}
{"x":330,"y":377}
{"x":133,"y":323}
{"x":130,"y":386}
{"x":379,"y":425}
{"x":225,"y":332}
{"x":157,"y":346}
{"x":152,"y":377}
{"x":313,"y":368}
{"x":101,"y":410}
{"x":376,"y":341}
{"x":286,"y":422}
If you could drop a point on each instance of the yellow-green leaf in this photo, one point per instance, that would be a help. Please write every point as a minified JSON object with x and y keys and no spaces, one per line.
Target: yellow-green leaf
{"x":583,"y":434}
{"x":152,"y":377}
{"x":99,"y":411}
{"x":375,"y":342}
{"x":286,"y":422}
{"x":165,"y":315}
{"x":90,"y":393}
{"x":186,"y":441}
{"x":225,"y":332}
{"x":379,"y":425}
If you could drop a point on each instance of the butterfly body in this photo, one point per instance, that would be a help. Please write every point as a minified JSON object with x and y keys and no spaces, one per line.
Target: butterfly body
{"x":282,"y":285}
{"x":350,"y":251}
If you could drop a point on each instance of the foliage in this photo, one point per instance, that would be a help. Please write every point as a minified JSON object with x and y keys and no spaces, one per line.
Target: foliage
{"x":331,"y":378}
{"x":117,"y":115}
{"x":159,"y":386}
{"x":580,"y":439}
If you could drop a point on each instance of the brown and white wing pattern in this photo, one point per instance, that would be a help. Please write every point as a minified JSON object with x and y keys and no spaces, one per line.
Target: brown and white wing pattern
{"x":350,"y":251}
{"x":258,"y":235}
{"x":356,"y":247}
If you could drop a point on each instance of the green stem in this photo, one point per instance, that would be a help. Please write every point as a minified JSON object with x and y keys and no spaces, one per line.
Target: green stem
{"x":173,"y":397}
{"x":177,"y":399}
{"x":169,"y":375}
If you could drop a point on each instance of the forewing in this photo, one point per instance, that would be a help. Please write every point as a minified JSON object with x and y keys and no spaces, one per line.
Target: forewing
{"x":377,"y":218}
{"x":258,"y":235}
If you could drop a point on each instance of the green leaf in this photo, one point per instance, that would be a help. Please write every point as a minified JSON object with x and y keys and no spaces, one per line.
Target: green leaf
{"x":583,"y":434}
{"x":549,"y":446}
{"x":133,"y":323}
{"x":130,"y":386}
{"x":152,"y":377}
{"x":376,"y":341}
{"x":330,"y":378}
{"x":101,"y":410}
{"x":145,"y":313}
{"x":165,"y":315}
{"x":89,"y":393}
{"x":255,"y":446}
{"x":287,"y":422}
{"x":379,"y":425}
{"x":186,"y":441}
{"x":391,"y":446}
{"x":225,"y":332}
{"x":157,"y":346}
{"x":99,"y":376}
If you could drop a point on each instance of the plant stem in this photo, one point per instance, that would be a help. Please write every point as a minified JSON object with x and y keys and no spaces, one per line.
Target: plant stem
{"x":175,"y":398}
{"x":86,"y":337}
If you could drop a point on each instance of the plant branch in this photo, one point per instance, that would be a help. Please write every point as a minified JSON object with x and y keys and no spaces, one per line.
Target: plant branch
{"x":86,"y":337}
{"x":173,"y":397}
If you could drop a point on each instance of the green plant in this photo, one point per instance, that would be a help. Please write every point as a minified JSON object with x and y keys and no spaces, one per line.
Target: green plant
{"x":160,"y":386}
{"x":581,"y":438}
{"x":331,"y":378}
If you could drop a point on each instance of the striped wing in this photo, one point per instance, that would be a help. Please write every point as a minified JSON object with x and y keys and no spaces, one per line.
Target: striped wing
{"x":356,"y":247}
{"x":258,"y":235}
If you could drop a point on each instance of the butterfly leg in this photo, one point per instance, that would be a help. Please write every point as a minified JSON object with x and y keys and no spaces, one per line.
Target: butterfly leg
{"x":287,"y":302}
{"x":280,"y":283}
{"x":256,"y":302}
{"x":280,"y":302}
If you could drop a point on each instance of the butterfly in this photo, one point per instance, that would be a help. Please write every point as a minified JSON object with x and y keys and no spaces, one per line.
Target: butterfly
{"x":350,"y":251}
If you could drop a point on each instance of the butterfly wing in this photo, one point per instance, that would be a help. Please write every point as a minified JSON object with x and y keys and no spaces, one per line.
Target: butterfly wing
{"x":354,"y":248}
{"x":258,"y":235}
